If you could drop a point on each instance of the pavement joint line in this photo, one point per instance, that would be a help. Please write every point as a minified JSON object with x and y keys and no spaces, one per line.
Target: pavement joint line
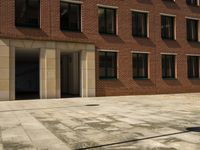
{"x":13,"y":110}
{"x":134,"y":140}
{"x":22,"y":126}
{"x":24,"y":129}
{"x":28,"y":135}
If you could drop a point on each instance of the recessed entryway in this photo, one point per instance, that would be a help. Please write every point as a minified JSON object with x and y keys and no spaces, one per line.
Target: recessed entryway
{"x":27,"y":75}
{"x":70,"y":74}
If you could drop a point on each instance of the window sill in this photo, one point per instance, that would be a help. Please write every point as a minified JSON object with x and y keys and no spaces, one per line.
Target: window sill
{"x":106,"y":79}
{"x":170,"y":79}
{"x":25,"y":27}
{"x":193,"y":41}
{"x":138,"y":79}
{"x":166,"y":39}
{"x":194,"y":78}
{"x":141,"y":37}
{"x":170,"y":1}
{"x":71,"y":31}
{"x":193,"y":5}
{"x":108,"y":34}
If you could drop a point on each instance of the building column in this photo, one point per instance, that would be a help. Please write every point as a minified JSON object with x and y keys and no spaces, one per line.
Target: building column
{"x":48,"y":88}
{"x":88,"y":77}
{"x":58,"y":87}
{"x":12,"y":73}
{"x":4,"y":70}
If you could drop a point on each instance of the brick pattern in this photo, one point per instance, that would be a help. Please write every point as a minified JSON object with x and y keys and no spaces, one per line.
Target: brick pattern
{"x":124,"y":42}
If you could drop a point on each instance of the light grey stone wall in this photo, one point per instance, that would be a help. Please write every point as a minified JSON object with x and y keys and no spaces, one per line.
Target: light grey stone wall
{"x":49,"y":66}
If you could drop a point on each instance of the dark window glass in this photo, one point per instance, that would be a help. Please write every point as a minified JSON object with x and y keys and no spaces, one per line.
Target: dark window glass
{"x":168,"y":66}
{"x":192,"y":30}
{"x":192,"y":2}
{"x":140,"y":65}
{"x":139,"y":24}
{"x":27,"y":13}
{"x":193,"y":66}
{"x":169,"y":0}
{"x":167,"y":27}
{"x":70,"y":16}
{"x":107,"y":65}
{"x":107,"y":20}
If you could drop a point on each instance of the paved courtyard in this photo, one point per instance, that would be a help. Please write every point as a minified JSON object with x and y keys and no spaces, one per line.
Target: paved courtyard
{"x":161,"y":122}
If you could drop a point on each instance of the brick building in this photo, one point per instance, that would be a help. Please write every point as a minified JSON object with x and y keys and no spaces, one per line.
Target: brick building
{"x":66,"y":48}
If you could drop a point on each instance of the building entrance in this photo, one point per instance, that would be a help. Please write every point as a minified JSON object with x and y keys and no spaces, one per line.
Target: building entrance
{"x":70,"y":74}
{"x":27,"y":74}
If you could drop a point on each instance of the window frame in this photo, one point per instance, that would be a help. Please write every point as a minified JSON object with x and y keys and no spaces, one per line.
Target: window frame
{"x":106,"y":77}
{"x":38,"y":26}
{"x":194,"y":5}
{"x":147,"y":22}
{"x":173,"y":29}
{"x":198,"y":29}
{"x":188,"y":66}
{"x":174,"y":71}
{"x":80,"y":16}
{"x":105,"y":16}
{"x":146,"y":69}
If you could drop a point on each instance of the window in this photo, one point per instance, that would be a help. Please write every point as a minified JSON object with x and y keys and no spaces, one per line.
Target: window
{"x":193,"y":66}
{"x":107,"y":20}
{"x":27,"y":13}
{"x":139,"y":22}
{"x":167,"y":27}
{"x":168,"y":66}
{"x":192,"y":2}
{"x":192,"y":30}
{"x":140,"y":65}
{"x":107,"y":65}
{"x":70,"y":16}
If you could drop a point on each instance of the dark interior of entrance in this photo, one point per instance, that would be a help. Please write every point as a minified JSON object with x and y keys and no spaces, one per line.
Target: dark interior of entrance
{"x":27,"y":74}
{"x":70,"y":75}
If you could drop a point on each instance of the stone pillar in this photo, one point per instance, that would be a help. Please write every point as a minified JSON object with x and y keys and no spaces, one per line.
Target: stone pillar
{"x":88,"y":77}
{"x":4,"y":70}
{"x":12,"y":73}
{"x":48,"y":88}
{"x":43,"y":88}
{"x":58,"y":87}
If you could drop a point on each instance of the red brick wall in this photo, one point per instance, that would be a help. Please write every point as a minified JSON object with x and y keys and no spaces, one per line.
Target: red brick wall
{"x":124,"y":42}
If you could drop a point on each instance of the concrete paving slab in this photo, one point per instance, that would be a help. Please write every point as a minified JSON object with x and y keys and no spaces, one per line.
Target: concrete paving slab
{"x":148,"y":122}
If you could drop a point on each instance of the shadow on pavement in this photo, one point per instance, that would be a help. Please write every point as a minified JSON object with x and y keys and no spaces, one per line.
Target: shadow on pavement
{"x":193,"y":129}
{"x":189,"y":129}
